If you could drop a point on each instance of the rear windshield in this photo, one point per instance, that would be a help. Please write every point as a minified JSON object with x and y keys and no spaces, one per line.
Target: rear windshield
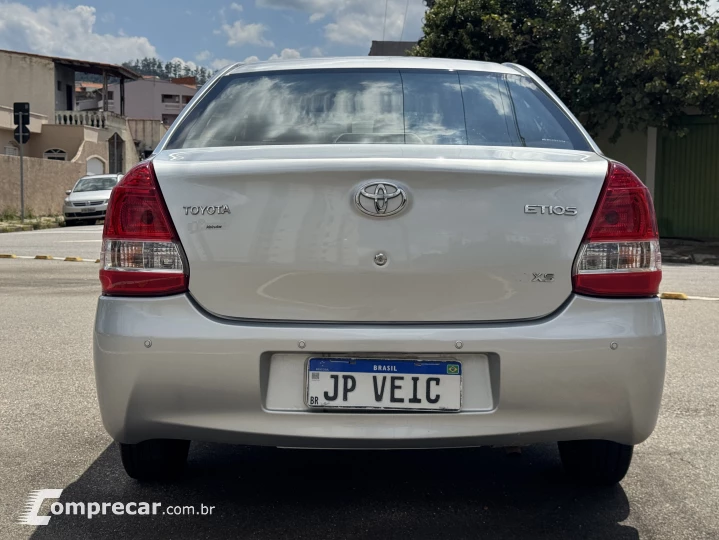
{"x":376,"y":107}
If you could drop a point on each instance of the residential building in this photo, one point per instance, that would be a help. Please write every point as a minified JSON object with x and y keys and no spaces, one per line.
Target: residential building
{"x":65,"y":141}
{"x":151,"y":98}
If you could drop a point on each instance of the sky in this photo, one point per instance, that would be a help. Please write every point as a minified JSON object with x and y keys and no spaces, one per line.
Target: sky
{"x":210,"y":33}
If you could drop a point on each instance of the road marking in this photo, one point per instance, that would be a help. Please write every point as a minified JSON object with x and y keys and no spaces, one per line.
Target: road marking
{"x":706,"y":298}
{"x":61,"y":259}
{"x":673,"y":296}
{"x":60,"y":231}
{"x":7,"y":256}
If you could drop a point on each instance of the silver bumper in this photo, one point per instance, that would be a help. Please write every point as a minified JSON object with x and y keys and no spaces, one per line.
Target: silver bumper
{"x":208,"y":379}
{"x":76,"y":212}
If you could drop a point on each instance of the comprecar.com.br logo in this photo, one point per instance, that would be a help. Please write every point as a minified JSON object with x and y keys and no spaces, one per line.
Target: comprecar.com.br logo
{"x":31,"y":514}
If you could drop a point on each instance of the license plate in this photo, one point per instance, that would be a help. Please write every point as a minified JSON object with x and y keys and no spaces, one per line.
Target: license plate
{"x":364,"y":383}
{"x":86,"y":210}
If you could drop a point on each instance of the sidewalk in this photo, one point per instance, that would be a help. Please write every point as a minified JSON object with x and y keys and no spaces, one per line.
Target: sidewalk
{"x":690,"y":252}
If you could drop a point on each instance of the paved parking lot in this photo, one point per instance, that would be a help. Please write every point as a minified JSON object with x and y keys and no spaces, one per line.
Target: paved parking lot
{"x":52,"y":438}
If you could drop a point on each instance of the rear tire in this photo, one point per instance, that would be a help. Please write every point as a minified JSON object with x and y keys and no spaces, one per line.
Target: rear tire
{"x":156,"y":459}
{"x":595,"y":462}
{"x":70,"y":223}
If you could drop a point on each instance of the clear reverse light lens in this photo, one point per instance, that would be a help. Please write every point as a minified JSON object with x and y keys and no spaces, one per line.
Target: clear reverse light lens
{"x":138,"y":256}
{"x":603,"y":257}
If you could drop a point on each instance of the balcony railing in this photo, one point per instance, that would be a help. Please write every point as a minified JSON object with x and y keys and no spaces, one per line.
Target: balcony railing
{"x":96,"y":119}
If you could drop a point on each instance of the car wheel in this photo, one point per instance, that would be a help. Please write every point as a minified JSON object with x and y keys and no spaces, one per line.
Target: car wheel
{"x":594,"y":462}
{"x":69,"y":223}
{"x":156,"y":459}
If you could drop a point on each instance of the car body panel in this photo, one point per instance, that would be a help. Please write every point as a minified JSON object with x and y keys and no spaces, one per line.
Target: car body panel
{"x":204,"y":378}
{"x":294,"y":246}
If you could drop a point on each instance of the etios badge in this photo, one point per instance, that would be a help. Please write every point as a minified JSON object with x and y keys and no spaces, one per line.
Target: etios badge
{"x":380,"y":199}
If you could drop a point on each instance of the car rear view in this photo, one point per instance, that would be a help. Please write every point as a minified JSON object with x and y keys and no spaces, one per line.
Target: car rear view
{"x":379,"y":253}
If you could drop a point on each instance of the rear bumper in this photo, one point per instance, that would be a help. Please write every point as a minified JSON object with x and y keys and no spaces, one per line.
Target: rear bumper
{"x":71,"y":213}
{"x":208,"y":379}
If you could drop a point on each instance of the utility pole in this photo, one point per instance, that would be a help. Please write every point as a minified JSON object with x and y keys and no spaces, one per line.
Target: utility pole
{"x":21,"y":116}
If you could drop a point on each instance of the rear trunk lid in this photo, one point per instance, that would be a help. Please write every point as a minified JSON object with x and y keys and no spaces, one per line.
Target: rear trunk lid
{"x":274,"y":233}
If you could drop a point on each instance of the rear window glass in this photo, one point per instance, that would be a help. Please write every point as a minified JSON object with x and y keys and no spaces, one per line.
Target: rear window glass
{"x":101,"y":183}
{"x":540,"y":122}
{"x":378,"y":106}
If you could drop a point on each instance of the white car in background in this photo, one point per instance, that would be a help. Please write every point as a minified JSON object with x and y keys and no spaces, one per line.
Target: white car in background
{"x":86,"y":202}
{"x":379,"y":253}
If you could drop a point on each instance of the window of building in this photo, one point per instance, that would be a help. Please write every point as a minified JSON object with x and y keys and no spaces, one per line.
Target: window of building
{"x":170,"y":98}
{"x":11,"y":149}
{"x":55,"y":154}
{"x":59,"y":86}
{"x":186,"y":99}
{"x":168,"y":119}
{"x":110,"y":95}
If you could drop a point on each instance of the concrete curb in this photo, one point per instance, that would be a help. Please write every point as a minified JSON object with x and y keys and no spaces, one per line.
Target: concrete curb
{"x":48,"y":258}
{"x":28,"y":227}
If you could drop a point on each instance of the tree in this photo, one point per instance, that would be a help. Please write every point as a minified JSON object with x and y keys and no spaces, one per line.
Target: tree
{"x":168,"y":70}
{"x":622,"y":63}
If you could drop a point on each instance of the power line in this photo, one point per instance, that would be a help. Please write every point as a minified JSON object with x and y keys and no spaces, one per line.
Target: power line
{"x":384,"y":25}
{"x":404,"y":20}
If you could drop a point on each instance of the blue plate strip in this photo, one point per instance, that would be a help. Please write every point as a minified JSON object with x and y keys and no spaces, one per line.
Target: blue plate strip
{"x":369,"y":365}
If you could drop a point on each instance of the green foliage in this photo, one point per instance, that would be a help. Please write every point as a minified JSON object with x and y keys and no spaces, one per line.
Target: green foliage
{"x":9,"y":214}
{"x":634,"y":62}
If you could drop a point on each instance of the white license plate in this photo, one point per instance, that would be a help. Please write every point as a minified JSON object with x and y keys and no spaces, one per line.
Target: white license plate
{"x":85,"y":210}
{"x":364,"y":383}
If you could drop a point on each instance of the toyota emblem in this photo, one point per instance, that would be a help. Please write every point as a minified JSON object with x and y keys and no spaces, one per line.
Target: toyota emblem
{"x":380,"y":199}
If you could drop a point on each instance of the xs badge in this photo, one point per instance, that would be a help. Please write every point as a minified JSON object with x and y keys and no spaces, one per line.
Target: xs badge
{"x":543,"y":278}
{"x":547,"y":209}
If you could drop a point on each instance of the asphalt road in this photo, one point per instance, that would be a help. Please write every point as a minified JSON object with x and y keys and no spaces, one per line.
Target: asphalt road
{"x":84,"y":241}
{"x":52,"y":437}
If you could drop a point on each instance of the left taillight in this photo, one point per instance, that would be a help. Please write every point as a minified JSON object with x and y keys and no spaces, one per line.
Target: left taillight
{"x":141,"y":252}
{"x":620,"y":255}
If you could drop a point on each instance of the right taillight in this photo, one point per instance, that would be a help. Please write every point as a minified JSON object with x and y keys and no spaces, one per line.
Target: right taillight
{"x":141,"y":253}
{"x":620,"y":253}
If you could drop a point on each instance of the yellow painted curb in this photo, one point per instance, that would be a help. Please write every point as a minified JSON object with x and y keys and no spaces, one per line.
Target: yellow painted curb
{"x":74,"y":259}
{"x":44,"y":257}
{"x":7,"y":256}
{"x":97,"y":260}
{"x":673,"y":296}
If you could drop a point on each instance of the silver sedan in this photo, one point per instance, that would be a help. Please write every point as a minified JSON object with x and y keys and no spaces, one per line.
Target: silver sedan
{"x":380,"y":253}
{"x":87,"y":200}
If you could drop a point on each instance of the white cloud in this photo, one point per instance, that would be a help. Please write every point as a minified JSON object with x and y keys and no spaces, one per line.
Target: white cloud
{"x":286,"y":54}
{"x":313,"y":6}
{"x":358,"y":22}
{"x":251,"y":60}
{"x":236,"y":6}
{"x":240,"y":33}
{"x":316,"y":51}
{"x":202,"y":56}
{"x":63,"y":31}
{"x":219,"y":63}
{"x":184,"y":63}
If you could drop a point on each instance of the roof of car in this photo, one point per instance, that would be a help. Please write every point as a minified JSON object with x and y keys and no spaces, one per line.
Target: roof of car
{"x":389,"y":62}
